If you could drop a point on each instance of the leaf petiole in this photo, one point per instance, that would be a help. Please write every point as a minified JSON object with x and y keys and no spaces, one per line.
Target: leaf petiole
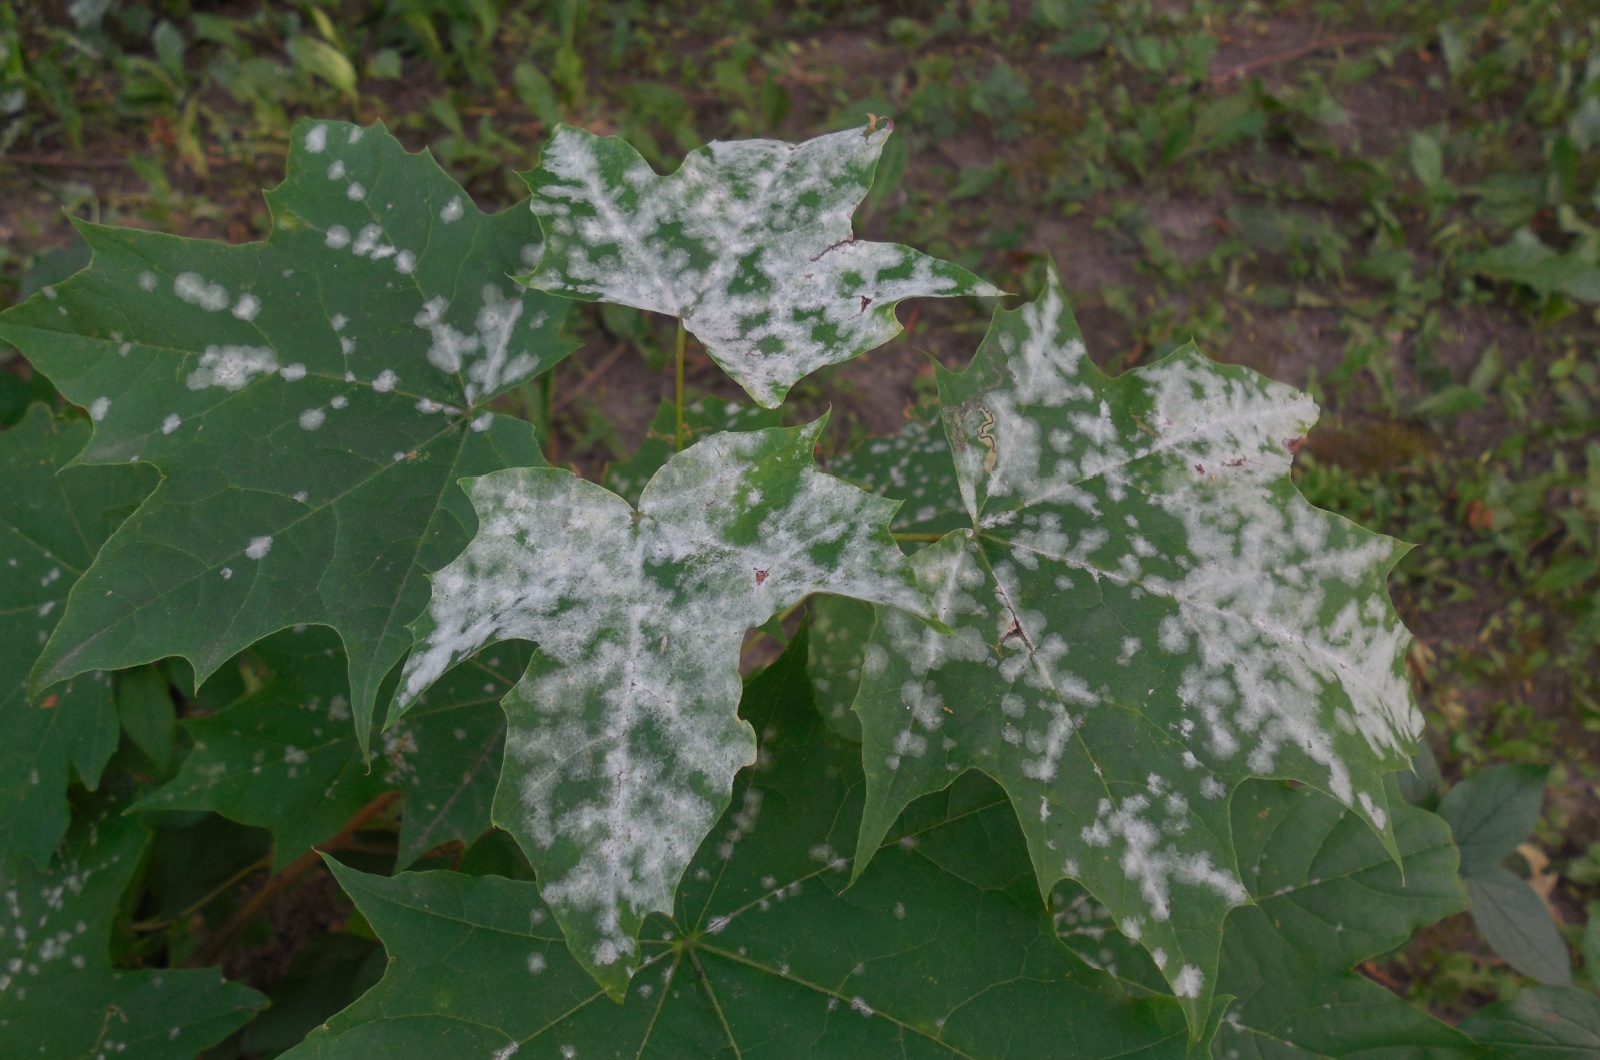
{"x":682,"y":434}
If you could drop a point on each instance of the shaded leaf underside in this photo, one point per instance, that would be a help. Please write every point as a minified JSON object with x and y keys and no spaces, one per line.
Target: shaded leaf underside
{"x":311,"y":402}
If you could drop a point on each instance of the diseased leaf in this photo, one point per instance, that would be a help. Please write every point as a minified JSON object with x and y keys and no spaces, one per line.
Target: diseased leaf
{"x":624,"y":736}
{"x":940,"y":950}
{"x":59,"y":995}
{"x":1327,"y":897}
{"x":1492,"y":811}
{"x":310,"y":400}
{"x":914,"y":467}
{"x":1146,"y":613}
{"x":748,"y":243}
{"x":840,"y":630}
{"x":285,"y":758}
{"x":1515,"y":923}
{"x":706,"y":415}
{"x":1540,"y":1023}
{"x":50,"y":527}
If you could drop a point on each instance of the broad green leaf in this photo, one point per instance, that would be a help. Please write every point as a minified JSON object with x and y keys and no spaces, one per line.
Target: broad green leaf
{"x":940,"y":950}
{"x":1513,"y":920}
{"x":310,"y":400}
{"x":840,"y":630}
{"x":914,"y":467}
{"x":748,"y":243}
{"x":59,"y":995}
{"x":148,"y":714}
{"x":624,"y":735}
{"x":1327,"y":897}
{"x":1526,"y":260}
{"x":1146,"y":613}
{"x":285,"y":758}
{"x":1491,"y":812}
{"x":1541,"y":1023}
{"x":627,"y":478}
{"x":50,"y":527}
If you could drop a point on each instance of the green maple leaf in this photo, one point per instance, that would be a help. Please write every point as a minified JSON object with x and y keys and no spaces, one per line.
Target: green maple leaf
{"x":1327,"y":897}
{"x":1146,"y":613}
{"x":748,"y":243}
{"x":1544,"y":1022}
{"x":59,"y":995}
{"x":285,"y":758}
{"x":942,"y":949}
{"x":624,"y":736}
{"x":310,"y":401}
{"x":50,"y":527}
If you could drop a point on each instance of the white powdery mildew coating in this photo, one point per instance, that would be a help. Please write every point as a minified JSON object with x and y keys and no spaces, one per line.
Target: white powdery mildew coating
{"x":231,"y":367}
{"x":487,"y":354}
{"x":195,"y":289}
{"x":1153,"y":864}
{"x":41,"y":938}
{"x":259,"y":547}
{"x":631,"y":703}
{"x":1259,"y":571}
{"x":748,"y":242}
{"x":317,"y":139}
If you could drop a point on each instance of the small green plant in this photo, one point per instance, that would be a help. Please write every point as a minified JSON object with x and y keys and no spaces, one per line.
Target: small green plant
{"x":1118,"y":773}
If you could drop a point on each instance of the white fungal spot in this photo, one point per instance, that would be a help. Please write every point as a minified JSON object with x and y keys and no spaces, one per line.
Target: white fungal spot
{"x":231,"y":367}
{"x":148,"y":280}
{"x":171,"y":423}
{"x":405,"y":262}
{"x":311,"y":419}
{"x":356,"y":191}
{"x":193,"y":288}
{"x":247,"y":307}
{"x":336,"y":170}
{"x":452,"y":211}
{"x":1188,"y":982}
{"x":259,"y":546}
{"x":317,"y":139}
{"x":536,"y":962}
{"x":338,"y":237}
{"x":293,"y":372}
{"x":385,"y":381}
{"x":99,"y":407}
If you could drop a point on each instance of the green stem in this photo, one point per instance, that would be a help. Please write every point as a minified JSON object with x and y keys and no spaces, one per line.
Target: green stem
{"x":682,"y":435}
{"x":917,"y":537}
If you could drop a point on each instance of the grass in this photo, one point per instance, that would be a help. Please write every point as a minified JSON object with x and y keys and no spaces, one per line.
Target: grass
{"x":1393,"y":205}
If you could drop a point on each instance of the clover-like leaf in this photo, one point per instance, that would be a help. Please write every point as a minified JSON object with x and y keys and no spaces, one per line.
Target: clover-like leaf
{"x":748,"y":243}
{"x":624,"y":736}
{"x":50,"y":526}
{"x":1146,"y":613}
{"x":60,"y":996}
{"x":285,"y":758}
{"x":942,"y":949}
{"x":311,"y":401}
